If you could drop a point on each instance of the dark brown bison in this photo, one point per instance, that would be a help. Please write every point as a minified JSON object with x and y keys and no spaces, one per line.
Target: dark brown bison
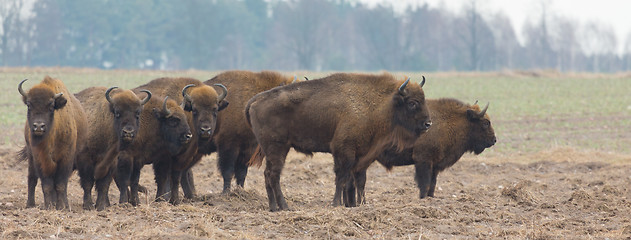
{"x":353,"y":116}
{"x":54,"y":132}
{"x":113,"y":118}
{"x":202,"y":104}
{"x":164,"y":131}
{"x":233,"y":140}
{"x":458,"y":128}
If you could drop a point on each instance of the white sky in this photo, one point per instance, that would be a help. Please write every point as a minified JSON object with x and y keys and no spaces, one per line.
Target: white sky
{"x":616,"y":13}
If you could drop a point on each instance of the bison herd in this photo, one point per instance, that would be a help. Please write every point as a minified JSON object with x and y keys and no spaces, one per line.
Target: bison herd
{"x":171,"y":123}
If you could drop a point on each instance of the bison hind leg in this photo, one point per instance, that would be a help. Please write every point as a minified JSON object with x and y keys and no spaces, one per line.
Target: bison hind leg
{"x":275,"y":162}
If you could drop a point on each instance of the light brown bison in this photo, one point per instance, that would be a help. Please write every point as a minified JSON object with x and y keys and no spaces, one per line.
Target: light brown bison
{"x":164,"y":131}
{"x":233,"y":139}
{"x":458,"y":128}
{"x":202,"y":104}
{"x":54,"y":132}
{"x":353,"y":116}
{"x":113,"y":118}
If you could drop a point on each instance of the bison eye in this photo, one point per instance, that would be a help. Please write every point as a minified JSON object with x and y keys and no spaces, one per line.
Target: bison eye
{"x":195,"y":112}
{"x":174,"y":122}
{"x":117,"y":114}
{"x":412,"y":105}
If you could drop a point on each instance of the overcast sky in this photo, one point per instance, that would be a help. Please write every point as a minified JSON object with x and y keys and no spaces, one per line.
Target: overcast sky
{"x":616,"y":13}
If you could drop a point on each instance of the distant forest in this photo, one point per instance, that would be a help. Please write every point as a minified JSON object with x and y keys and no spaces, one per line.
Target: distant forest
{"x":317,"y":35}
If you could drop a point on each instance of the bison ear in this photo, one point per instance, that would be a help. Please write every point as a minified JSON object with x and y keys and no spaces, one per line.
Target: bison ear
{"x":187,"y":106}
{"x":223,"y":104}
{"x":60,"y":102}
{"x":472,"y":115}
{"x":398,"y":99}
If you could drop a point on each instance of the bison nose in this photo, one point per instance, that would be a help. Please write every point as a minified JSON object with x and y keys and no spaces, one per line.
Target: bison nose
{"x":428,"y":124}
{"x":39,"y":127}
{"x":205,"y":131}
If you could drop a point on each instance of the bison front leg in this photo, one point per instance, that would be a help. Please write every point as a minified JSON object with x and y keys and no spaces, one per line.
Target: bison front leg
{"x":175,"y":187}
{"x":432,"y":185}
{"x":87,"y":182}
{"x":32,"y":183}
{"x":360,"y":184}
{"x":48,"y":189}
{"x":135,"y":185}
{"x":188,"y":184}
{"x":343,"y":184}
{"x":123,"y":176}
{"x":227,"y":159}
{"x":162,"y":178}
{"x":423,"y":178}
{"x":102,"y":190}
{"x":61,"y":186}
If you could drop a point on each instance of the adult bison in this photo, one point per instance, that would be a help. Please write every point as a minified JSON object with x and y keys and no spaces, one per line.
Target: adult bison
{"x":233,"y":139}
{"x":458,"y":128}
{"x":202,"y":104}
{"x":54,"y":132}
{"x":353,"y":116}
{"x":113,"y":119}
{"x":163,"y":131}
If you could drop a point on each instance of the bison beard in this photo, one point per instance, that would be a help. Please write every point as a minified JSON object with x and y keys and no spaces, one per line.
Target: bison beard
{"x":353,"y":116}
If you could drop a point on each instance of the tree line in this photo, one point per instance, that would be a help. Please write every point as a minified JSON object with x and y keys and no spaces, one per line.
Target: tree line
{"x":315,"y":35}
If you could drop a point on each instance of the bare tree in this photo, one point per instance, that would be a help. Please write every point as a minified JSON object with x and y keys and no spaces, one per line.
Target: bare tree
{"x":10,"y":16}
{"x":599,"y":42}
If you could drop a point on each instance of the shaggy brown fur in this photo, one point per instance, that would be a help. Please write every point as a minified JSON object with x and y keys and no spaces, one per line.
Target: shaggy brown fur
{"x":202,"y":104}
{"x":55,"y":131}
{"x":164,"y":131}
{"x":458,"y":128}
{"x":353,"y":116}
{"x":113,"y":125}
{"x":234,"y":140}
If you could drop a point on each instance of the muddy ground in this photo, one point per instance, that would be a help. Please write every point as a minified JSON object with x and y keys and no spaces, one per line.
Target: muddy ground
{"x":560,"y":193}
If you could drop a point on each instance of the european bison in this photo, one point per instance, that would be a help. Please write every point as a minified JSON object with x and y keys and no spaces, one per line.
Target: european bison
{"x":202,"y":104}
{"x":164,"y":131}
{"x":233,"y":140}
{"x":113,"y":118}
{"x":54,"y":132}
{"x":458,"y":128}
{"x":353,"y":116}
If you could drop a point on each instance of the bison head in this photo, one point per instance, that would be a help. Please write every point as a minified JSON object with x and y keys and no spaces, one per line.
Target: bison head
{"x":174,"y":126}
{"x":126,"y":108}
{"x":42,"y":103}
{"x":204,"y":103}
{"x":481,"y":134}
{"x":410,"y":111}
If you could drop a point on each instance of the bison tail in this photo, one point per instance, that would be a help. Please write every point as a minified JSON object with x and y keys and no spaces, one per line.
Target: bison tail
{"x":257,"y":157}
{"x":23,"y":154}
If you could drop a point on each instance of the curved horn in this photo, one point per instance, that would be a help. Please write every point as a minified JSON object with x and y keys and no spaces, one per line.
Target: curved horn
{"x":481,"y":114}
{"x":223,"y":94}
{"x":20,"y":88}
{"x":164,"y":106}
{"x":107,"y":94}
{"x":185,"y":95}
{"x":307,"y":79}
{"x":402,"y":87}
{"x":144,"y":101}
{"x":58,"y":95}
{"x":476,"y":102}
{"x":422,"y":82}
